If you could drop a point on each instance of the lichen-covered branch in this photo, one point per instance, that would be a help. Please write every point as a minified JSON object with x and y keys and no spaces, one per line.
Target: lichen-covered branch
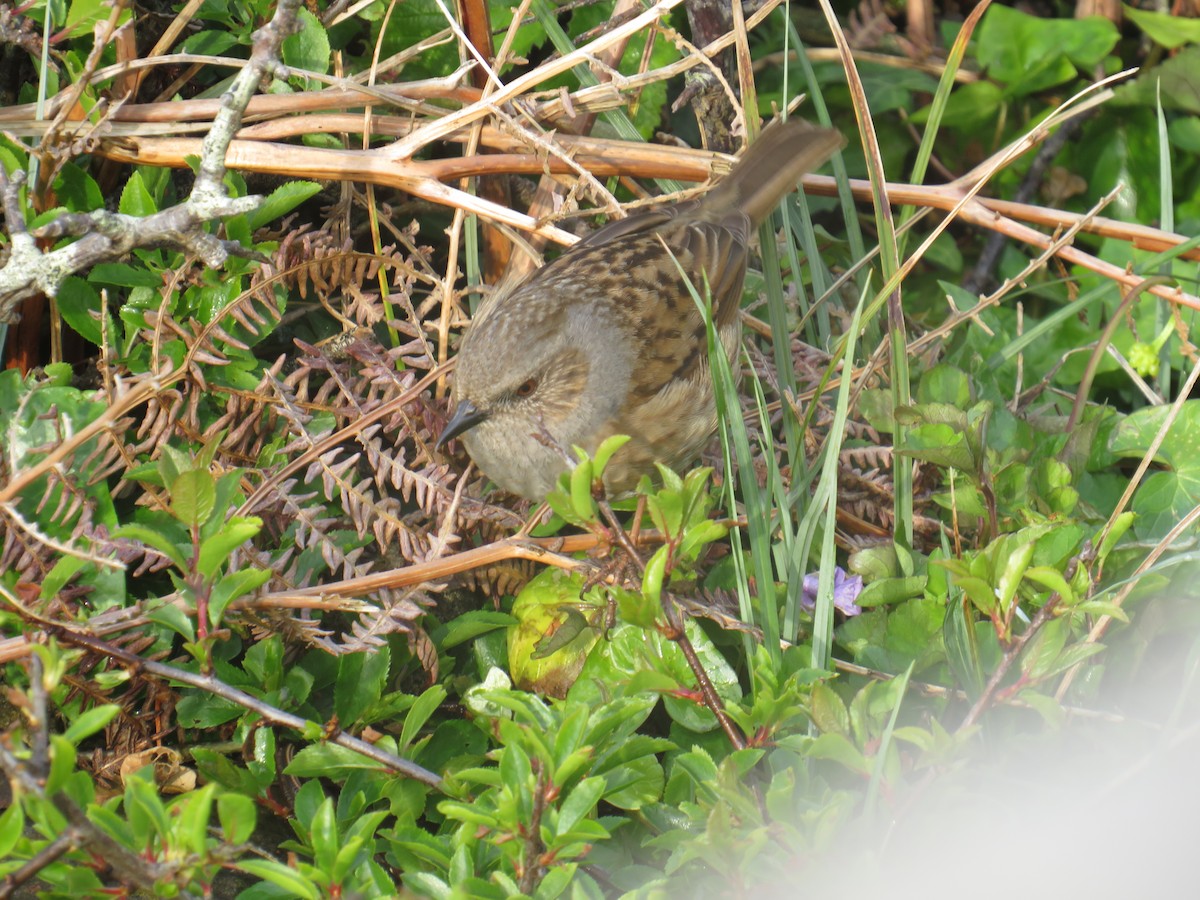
{"x":105,"y":235}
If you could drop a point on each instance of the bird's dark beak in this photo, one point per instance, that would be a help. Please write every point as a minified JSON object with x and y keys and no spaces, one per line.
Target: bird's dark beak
{"x":465,"y":417}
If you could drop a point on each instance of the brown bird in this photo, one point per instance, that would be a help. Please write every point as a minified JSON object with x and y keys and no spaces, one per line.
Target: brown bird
{"x":607,"y":338}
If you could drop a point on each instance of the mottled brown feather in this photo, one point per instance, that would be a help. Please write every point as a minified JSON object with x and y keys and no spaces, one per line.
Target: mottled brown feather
{"x":621,"y":299}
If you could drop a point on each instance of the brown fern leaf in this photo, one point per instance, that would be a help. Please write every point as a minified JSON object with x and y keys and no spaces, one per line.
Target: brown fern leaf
{"x":869,"y":25}
{"x":398,"y":612}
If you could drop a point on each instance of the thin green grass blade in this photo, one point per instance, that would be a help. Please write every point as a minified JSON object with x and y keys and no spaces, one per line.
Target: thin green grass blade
{"x":824,"y":503}
{"x":854,"y":235}
{"x":735,"y":448}
{"x":1166,"y":205}
{"x":937,"y":109}
{"x":885,"y":742}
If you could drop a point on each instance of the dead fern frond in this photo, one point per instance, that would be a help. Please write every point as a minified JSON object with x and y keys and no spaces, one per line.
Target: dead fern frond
{"x":397,"y":613}
{"x":870,"y":23}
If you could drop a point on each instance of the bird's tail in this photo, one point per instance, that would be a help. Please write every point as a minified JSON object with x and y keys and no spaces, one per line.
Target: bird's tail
{"x":771,"y":167}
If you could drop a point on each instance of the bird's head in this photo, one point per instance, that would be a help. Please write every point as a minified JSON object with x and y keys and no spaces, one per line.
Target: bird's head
{"x":532,"y":380}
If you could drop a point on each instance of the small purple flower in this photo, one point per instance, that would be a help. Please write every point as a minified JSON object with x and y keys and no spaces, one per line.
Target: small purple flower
{"x":846,"y":589}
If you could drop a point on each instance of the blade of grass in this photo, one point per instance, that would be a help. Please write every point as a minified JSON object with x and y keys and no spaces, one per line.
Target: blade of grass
{"x":937,"y":106}
{"x":1166,"y":205}
{"x":735,"y":446}
{"x":824,"y":502}
{"x":889,"y":257}
{"x":755,"y":501}
{"x":858,"y":248}
{"x":885,"y":742}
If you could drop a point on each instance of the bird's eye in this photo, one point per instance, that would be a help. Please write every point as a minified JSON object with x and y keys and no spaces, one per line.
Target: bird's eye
{"x":527,"y":388}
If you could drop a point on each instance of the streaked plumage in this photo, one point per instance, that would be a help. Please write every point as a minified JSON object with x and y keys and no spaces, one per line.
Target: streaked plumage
{"x":607,"y":339}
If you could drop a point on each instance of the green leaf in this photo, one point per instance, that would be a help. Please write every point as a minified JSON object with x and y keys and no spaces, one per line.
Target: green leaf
{"x":192,"y":813}
{"x":216,"y":550}
{"x":540,"y":612}
{"x":237,"y":816}
{"x":232,"y":587}
{"x":282,"y":876}
{"x":308,"y":49}
{"x":876,"y":406}
{"x":323,"y":832}
{"x":689,"y":713}
{"x":327,"y":761}
{"x":1047,"y":666}
{"x":172,"y":617}
{"x":579,"y":803}
{"x":581,"y":488}
{"x":90,"y":721}
{"x":424,"y":707}
{"x":945,"y":384}
{"x":1038,"y":658}
{"x":1167,"y":31}
{"x":981,"y":592}
{"x":1014,"y":564}
{"x":559,"y":501}
{"x":1031,"y":53}
{"x":837,"y":747}
{"x":471,"y":625}
{"x":199,"y":709}
{"x":1047,"y":707}
{"x":942,"y":445}
{"x":282,"y":201}
{"x":1167,"y":496}
{"x":145,"y":809}
{"x":666,"y":506}
{"x":652,"y":577}
{"x":360,"y":681}
{"x":572,"y":625}
{"x":699,"y":536}
{"x":528,"y":35}
{"x":828,"y":710}
{"x":887,"y":591}
{"x":607,"y":448}
{"x":62,"y":762}
{"x":135,"y":199}
{"x":699,"y":765}
{"x":1101,"y":608}
{"x":208,"y":43}
{"x":12,"y":828}
{"x":1175,"y":83}
{"x":636,"y":783}
{"x":124,"y":275}
{"x":84,"y":15}
{"x":962,"y":647}
{"x":192,"y":497}
{"x":155,"y":540}
{"x":426,"y":884}
{"x":77,"y":301}
{"x":1053,"y":580}
{"x":61,"y":575}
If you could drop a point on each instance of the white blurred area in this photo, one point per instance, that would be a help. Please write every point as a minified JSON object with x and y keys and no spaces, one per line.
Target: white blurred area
{"x":1102,"y":808}
{"x":1068,"y":820}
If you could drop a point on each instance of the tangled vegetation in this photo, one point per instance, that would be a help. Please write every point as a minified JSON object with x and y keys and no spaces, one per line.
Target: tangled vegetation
{"x":262,"y":639}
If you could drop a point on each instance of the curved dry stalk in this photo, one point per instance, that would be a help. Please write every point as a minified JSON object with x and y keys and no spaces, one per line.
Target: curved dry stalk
{"x":423,"y":179}
{"x":548,"y":551}
{"x":932,"y":67}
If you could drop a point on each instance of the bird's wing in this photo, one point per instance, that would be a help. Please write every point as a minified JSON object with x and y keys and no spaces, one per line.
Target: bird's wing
{"x":638,"y":223}
{"x":658,"y":309}
{"x":661,"y":312}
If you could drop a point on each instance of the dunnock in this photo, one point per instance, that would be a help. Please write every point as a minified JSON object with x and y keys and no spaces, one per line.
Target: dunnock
{"x":607,"y":338}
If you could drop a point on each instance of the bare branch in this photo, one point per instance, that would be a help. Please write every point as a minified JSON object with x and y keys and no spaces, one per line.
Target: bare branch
{"x":105,"y":235}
